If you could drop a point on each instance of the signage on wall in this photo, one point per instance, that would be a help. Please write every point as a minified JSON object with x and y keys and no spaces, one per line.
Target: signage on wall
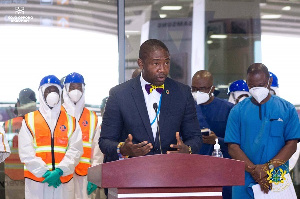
{"x":63,"y":21}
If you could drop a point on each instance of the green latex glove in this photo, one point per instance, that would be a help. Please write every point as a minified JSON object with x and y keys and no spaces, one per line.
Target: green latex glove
{"x":46,"y":174}
{"x":53,"y":178}
{"x":91,"y":187}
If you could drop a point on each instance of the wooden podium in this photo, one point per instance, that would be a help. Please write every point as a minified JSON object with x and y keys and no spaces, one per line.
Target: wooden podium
{"x":168,"y":176}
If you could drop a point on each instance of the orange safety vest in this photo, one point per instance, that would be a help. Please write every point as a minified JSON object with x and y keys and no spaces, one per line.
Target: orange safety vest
{"x":13,"y":166}
{"x":51,"y":149}
{"x":88,"y":123}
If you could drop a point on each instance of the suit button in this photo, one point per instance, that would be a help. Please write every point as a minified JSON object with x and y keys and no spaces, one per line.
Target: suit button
{"x":156,"y":149}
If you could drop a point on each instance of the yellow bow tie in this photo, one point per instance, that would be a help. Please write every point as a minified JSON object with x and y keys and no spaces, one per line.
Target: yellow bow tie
{"x":150,"y":87}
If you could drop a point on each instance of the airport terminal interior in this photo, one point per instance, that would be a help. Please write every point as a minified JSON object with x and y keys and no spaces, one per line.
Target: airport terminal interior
{"x":100,"y":39}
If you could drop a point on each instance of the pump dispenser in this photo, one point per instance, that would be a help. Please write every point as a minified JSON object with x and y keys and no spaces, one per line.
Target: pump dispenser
{"x":217,"y":150}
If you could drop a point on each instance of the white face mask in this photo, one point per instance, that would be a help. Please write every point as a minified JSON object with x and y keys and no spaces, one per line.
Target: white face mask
{"x":75,"y":95}
{"x":259,"y":93}
{"x":52,"y":99}
{"x":200,"y":97}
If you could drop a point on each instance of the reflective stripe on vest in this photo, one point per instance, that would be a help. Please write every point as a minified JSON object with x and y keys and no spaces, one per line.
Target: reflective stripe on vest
{"x":42,"y":139}
{"x":13,"y":166}
{"x":88,"y":123}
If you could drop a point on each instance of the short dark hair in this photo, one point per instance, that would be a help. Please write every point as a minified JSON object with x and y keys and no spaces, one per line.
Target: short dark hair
{"x":150,"y":45}
{"x":258,"y":68}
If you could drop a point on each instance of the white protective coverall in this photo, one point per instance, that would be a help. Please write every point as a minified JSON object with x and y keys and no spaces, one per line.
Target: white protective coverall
{"x":234,"y":95}
{"x":4,"y":147}
{"x":38,"y":190}
{"x":75,"y":110}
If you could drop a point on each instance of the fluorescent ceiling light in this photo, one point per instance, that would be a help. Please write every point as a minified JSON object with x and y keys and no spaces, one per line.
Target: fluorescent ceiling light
{"x":171,"y":8}
{"x":286,"y":8}
{"x":218,"y":36}
{"x":270,"y":16}
{"x":209,"y":41}
{"x":162,"y":15}
{"x":132,"y":31}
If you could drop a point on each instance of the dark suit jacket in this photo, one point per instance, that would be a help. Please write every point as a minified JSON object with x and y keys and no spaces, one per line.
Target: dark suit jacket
{"x":126,"y":113}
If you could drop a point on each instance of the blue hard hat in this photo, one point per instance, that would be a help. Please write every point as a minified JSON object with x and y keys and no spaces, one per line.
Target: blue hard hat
{"x":238,"y":85}
{"x":74,"y":78}
{"x":50,"y":79}
{"x":275,"y":80}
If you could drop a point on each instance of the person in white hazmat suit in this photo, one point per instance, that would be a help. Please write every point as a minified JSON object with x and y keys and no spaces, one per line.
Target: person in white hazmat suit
{"x":74,"y":104}
{"x":4,"y":147}
{"x":50,"y":146}
{"x":238,"y":91}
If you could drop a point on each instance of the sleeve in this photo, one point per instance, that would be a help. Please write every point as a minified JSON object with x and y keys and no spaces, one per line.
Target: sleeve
{"x":292,"y":128}
{"x":4,"y":147}
{"x":111,"y":128}
{"x":33,"y":163}
{"x":190,"y":129}
{"x":73,"y":154}
{"x":97,"y":155}
{"x":232,"y":133}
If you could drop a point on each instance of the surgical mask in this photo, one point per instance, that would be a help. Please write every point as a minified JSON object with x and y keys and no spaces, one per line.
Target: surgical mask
{"x":75,"y":95}
{"x":259,"y":93}
{"x":200,"y":97}
{"x":52,"y":99}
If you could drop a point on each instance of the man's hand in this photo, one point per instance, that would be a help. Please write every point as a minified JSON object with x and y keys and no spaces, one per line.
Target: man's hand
{"x":260,"y":175}
{"x":181,"y":147}
{"x":209,"y":139}
{"x":265,"y":186}
{"x":258,"y":171}
{"x":134,"y":150}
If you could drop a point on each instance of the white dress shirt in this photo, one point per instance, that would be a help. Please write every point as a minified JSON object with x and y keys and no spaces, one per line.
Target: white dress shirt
{"x":150,"y":99}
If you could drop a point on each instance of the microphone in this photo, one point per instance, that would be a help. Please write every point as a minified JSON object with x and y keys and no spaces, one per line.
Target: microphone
{"x":155,"y":108}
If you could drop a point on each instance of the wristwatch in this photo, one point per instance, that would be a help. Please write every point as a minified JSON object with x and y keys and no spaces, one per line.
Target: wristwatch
{"x":270,"y":165}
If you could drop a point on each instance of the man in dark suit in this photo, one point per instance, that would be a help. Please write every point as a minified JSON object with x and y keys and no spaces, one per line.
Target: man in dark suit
{"x":150,"y":114}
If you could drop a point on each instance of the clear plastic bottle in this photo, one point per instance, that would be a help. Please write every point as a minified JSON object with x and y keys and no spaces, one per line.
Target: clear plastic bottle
{"x":217,"y":150}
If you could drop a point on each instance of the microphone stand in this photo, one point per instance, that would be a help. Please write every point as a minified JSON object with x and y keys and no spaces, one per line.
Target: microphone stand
{"x":155,"y":108}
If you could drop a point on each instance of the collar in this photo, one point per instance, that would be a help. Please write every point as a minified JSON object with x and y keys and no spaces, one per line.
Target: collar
{"x":143,"y":81}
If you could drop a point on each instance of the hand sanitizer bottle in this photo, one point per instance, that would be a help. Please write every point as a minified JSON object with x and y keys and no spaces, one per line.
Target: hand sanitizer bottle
{"x":217,"y":151}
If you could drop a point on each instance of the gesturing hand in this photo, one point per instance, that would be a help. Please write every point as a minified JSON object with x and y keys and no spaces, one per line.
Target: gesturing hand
{"x":181,"y":147}
{"x":134,"y":150}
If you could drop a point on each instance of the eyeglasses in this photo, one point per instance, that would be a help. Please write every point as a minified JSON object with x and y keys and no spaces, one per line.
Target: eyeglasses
{"x":201,"y":89}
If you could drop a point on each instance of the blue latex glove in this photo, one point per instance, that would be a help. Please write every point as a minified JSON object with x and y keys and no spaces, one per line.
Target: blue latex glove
{"x":91,"y":187}
{"x":53,"y":177}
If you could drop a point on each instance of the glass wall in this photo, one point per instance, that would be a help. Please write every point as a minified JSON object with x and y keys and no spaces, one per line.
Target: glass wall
{"x":47,"y":37}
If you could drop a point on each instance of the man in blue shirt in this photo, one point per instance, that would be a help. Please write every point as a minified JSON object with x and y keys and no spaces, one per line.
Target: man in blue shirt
{"x":262,"y":131}
{"x":212,"y":113}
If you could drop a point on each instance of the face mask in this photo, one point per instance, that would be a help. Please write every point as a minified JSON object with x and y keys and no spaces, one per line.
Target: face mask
{"x":52,"y":99}
{"x":259,"y":93}
{"x":200,"y":97}
{"x":75,"y":95}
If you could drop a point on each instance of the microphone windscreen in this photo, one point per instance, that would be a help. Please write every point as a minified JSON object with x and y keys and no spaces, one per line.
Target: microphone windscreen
{"x":155,"y":106}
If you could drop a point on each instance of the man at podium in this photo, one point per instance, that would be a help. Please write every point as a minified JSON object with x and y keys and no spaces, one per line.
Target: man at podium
{"x":143,"y":114}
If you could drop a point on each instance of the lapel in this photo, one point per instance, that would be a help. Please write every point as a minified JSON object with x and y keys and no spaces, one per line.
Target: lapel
{"x":165,"y":102}
{"x":138,"y":96}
